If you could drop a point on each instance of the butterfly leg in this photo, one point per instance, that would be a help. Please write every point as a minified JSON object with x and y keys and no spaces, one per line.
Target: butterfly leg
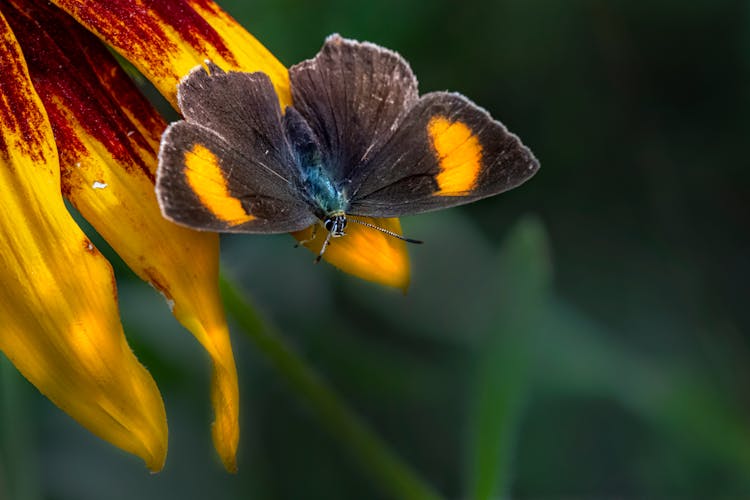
{"x":322,"y":250}
{"x":310,"y":239}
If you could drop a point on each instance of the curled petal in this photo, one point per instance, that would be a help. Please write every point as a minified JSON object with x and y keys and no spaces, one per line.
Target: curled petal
{"x":165,"y":39}
{"x":58,"y":305}
{"x":108,"y":135}
{"x":367,"y":253}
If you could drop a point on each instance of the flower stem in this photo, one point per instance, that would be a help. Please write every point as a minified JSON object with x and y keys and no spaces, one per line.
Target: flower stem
{"x":391,"y":473}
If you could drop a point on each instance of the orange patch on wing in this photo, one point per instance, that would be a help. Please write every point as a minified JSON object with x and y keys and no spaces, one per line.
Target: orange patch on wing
{"x":459,"y":154}
{"x":204,"y":176}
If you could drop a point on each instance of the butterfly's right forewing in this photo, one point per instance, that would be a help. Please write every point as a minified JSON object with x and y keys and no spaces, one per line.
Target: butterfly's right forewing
{"x":353,"y":95}
{"x":447,"y":151}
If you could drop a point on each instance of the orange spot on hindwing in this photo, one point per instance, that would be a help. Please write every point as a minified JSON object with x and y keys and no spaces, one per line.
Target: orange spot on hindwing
{"x":459,"y":154}
{"x":204,"y":175}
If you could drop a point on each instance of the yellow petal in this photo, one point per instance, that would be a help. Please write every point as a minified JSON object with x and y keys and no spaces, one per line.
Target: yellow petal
{"x":60,"y":324}
{"x":108,"y":135}
{"x":165,"y":39}
{"x":171,"y":37}
{"x":367,"y":253}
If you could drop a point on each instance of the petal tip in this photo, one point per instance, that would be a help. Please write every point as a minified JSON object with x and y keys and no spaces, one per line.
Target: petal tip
{"x":226,"y":446}
{"x":155,"y":464}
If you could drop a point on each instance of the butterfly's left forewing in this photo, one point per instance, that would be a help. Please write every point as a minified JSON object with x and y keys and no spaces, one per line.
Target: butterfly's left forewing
{"x":228,"y":166}
{"x":446,"y":152}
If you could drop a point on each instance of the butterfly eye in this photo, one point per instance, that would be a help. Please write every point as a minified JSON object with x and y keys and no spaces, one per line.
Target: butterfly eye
{"x":328,"y":225}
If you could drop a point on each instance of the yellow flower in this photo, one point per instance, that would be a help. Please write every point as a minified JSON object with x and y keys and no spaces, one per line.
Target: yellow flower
{"x":72,"y":122}
{"x":107,"y":136}
{"x":61,"y":327}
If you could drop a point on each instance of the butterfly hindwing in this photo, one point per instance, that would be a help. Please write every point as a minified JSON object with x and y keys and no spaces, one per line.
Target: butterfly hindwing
{"x":352,"y":94}
{"x":446,"y":151}
{"x":229,"y":171}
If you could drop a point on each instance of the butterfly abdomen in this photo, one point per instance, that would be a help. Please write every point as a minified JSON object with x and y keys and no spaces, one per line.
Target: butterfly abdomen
{"x":324,"y":193}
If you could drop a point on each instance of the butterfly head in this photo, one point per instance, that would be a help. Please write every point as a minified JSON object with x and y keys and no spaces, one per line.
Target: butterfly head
{"x":335,"y":224}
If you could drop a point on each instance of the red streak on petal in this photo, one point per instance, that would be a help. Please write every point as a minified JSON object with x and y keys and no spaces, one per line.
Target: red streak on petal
{"x":138,"y":27}
{"x":22,"y":122}
{"x":75,"y":75}
{"x":188,"y":23}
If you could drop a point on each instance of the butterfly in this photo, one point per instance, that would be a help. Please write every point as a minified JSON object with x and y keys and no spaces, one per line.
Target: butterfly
{"x":358,"y":142}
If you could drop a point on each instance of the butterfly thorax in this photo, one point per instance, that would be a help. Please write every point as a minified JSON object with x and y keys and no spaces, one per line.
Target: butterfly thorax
{"x":323,"y":192}
{"x":327,"y":199}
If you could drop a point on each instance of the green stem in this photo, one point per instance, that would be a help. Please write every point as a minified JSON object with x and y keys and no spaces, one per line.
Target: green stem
{"x":391,"y":473}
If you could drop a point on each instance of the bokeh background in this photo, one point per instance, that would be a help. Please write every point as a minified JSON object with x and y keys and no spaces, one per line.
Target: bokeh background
{"x":583,"y":336}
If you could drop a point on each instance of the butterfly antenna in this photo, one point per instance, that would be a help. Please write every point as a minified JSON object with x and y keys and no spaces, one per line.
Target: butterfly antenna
{"x":384,"y":230}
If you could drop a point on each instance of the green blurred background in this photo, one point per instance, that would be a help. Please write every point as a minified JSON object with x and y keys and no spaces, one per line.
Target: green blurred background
{"x":585,"y":335}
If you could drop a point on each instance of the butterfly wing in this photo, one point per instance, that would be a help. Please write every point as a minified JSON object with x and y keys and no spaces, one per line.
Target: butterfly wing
{"x":353,"y":95}
{"x":446,"y":152}
{"x":228,"y":167}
